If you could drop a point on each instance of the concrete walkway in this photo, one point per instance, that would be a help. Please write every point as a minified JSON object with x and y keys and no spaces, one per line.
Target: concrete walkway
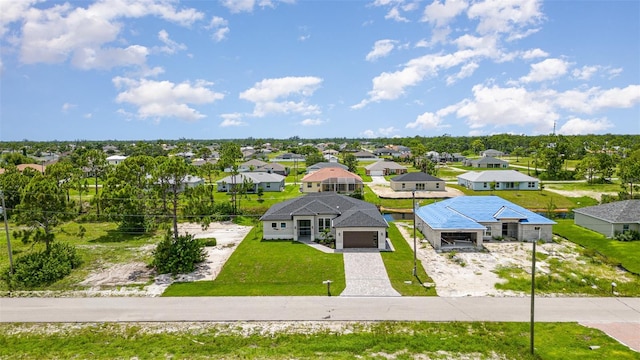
{"x":365,"y":274}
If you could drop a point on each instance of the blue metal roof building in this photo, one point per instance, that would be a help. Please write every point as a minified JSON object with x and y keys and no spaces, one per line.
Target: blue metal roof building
{"x":472,"y":219}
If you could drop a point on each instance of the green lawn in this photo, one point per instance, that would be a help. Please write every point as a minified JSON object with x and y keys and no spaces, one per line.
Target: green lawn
{"x":270,"y":267}
{"x":377,"y":340}
{"x":533,"y":199}
{"x":399,"y":266}
{"x":626,"y":254}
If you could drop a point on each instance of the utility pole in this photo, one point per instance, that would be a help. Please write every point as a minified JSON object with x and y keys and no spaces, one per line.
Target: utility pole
{"x":6,"y":229}
{"x":415,"y":257}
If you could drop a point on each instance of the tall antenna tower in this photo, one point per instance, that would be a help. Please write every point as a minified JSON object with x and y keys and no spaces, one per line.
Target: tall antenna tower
{"x":554,"y":127}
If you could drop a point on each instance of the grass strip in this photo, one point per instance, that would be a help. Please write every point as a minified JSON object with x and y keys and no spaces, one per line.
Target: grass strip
{"x":377,"y":340}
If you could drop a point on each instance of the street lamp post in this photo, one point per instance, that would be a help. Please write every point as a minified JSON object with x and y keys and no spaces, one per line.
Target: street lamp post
{"x":415,"y":257}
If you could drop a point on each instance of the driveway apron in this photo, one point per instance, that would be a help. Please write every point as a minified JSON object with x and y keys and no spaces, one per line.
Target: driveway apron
{"x":366,"y":275}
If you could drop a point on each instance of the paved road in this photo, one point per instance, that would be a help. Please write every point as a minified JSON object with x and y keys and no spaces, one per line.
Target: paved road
{"x":274,"y":308}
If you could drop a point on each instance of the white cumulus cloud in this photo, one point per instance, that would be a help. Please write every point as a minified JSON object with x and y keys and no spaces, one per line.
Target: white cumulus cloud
{"x":547,"y":69}
{"x":499,"y":16}
{"x":272,"y":95}
{"x":441,"y":13}
{"x":311,"y":122}
{"x":381,"y":48}
{"x":159,"y":99}
{"x":576,"y":126}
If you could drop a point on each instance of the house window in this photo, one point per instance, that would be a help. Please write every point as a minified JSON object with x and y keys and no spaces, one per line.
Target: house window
{"x":420,"y":186}
{"x":625,"y":228}
{"x":268,"y":185}
{"x":484,"y":185}
{"x":403,"y":185}
{"x":531,"y":184}
{"x":324,"y":223}
{"x":437,"y":185}
{"x":487,"y":231}
{"x":274,"y":225}
{"x":283,"y":225}
{"x":308,"y":185}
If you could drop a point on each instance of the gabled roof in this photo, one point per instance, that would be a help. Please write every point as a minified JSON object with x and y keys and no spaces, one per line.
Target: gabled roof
{"x":384,"y":164}
{"x":273,"y":166}
{"x":331,"y":172}
{"x":468,"y":212}
{"x":627,"y":211}
{"x":489,"y":160}
{"x":415,"y":176}
{"x":322,"y":165}
{"x":255,"y":177}
{"x":350,"y":212}
{"x":496,"y":175}
{"x":254,"y":162}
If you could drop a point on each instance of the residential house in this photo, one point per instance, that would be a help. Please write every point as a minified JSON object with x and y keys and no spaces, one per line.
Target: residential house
{"x":251,"y":165}
{"x":322,"y":165}
{"x":467,"y":221}
{"x":351,"y":222}
{"x":266,"y":181}
{"x":491,"y":153}
{"x":611,"y":218}
{"x":115,"y":159}
{"x":498,"y":180}
{"x":364,"y":155}
{"x":331,"y":179}
{"x":289,"y":157}
{"x":384,"y":167}
{"x":386,"y":152}
{"x":487,"y":162}
{"x":275,"y":168}
{"x":418,"y":181}
{"x":22,"y":167}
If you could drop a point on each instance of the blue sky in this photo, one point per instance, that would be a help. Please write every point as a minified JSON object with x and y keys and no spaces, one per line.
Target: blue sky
{"x":147,"y":69}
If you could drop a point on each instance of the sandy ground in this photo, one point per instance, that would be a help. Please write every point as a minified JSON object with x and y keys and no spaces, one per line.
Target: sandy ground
{"x":477,"y":276}
{"x":136,"y":279}
{"x":381,"y":187}
{"x":580,"y":193}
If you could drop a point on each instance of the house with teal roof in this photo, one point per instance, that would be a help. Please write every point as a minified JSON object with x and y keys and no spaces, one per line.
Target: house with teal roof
{"x":468,"y":221}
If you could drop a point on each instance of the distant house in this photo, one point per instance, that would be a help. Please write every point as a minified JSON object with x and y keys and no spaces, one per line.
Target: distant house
{"x":386,"y":152}
{"x":322,"y":165}
{"x":331,"y":179}
{"x":470,"y":220}
{"x":275,"y":168}
{"x":364,"y":155}
{"x":266,"y":181}
{"x":492,"y":153}
{"x":353,"y":223}
{"x":251,"y":165}
{"x":487,"y":162}
{"x":289,"y":157}
{"x":384,"y":167}
{"x":611,"y":218}
{"x":418,"y":181}
{"x":115,"y":159}
{"x":22,"y":167}
{"x":498,"y":180}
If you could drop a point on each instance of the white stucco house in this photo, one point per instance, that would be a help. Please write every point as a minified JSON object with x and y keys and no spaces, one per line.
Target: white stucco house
{"x":353,"y":223}
{"x":502,"y":179}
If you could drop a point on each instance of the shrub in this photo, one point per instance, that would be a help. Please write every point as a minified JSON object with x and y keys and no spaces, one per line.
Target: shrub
{"x":178,"y":256}
{"x":629,"y":235}
{"x":43,"y":267}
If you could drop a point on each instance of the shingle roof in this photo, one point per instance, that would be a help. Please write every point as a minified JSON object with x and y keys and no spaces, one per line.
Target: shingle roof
{"x":384,"y":164}
{"x":322,"y":165}
{"x":415,"y":176}
{"x":351,"y":212}
{"x":627,"y":211}
{"x":331,"y":172}
{"x":467,"y":212}
{"x":256,"y":177}
{"x":489,"y":160}
{"x":496,"y":175}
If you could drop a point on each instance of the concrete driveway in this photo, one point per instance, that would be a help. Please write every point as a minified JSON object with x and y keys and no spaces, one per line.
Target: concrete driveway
{"x":365,"y":274}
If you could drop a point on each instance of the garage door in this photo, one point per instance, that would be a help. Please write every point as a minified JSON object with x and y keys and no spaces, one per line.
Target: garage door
{"x":360,"y":239}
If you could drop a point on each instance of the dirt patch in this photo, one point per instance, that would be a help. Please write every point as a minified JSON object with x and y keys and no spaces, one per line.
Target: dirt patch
{"x":580,"y":193}
{"x":137,"y":279}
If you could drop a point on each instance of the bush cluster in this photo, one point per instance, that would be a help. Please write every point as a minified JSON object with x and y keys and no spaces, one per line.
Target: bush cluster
{"x":178,"y":255}
{"x":630,"y":235}
{"x":43,"y":267}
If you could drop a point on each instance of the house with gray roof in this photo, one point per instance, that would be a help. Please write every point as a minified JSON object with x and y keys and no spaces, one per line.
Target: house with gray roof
{"x":418,"y":181}
{"x":353,"y":223}
{"x":384,"y":167}
{"x":467,"y":221}
{"x":486,"y":162}
{"x":322,"y":165}
{"x":492,"y":153}
{"x":264,"y":180}
{"x":498,"y":180}
{"x":611,"y":218}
